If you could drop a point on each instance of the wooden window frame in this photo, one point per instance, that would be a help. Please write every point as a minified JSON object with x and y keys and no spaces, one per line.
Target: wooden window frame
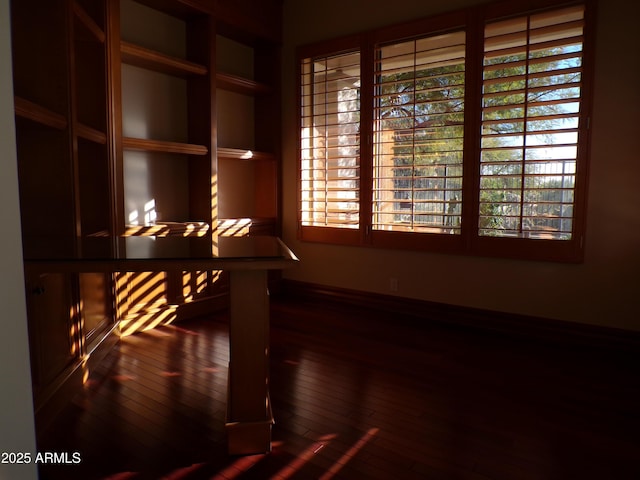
{"x":324,"y":234}
{"x":472,"y":21}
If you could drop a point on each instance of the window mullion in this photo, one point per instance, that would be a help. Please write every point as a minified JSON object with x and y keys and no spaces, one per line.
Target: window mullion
{"x":472,"y":125}
{"x":413,"y":140}
{"x":367,"y":75}
{"x":327,"y":201}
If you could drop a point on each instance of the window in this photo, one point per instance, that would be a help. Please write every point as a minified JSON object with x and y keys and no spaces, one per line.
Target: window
{"x":419,"y":131}
{"x":330,"y":141}
{"x":463,"y":133}
{"x":532,"y":73}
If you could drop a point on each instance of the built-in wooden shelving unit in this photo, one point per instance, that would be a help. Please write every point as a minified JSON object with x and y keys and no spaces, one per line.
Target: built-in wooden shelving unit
{"x":247,"y":83}
{"x":115,"y":102}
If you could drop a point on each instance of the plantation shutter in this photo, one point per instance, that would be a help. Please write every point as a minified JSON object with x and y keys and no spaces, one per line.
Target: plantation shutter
{"x":531,"y":105}
{"x":419,"y":129}
{"x":330,"y":141}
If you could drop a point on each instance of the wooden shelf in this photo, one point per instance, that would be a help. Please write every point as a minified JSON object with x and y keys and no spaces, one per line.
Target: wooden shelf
{"x":161,"y":229}
{"x":165,"y":229}
{"x":152,"y":60}
{"x":91,"y":134}
{"x":242,"y":85}
{"x":240,"y":154}
{"x":184,"y":9}
{"x":92,"y":27}
{"x":147,"y":145}
{"x":239,"y":227}
{"x":39,"y":114}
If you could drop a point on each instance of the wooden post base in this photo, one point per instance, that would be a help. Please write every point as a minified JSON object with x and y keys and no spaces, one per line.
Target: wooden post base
{"x":247,"y":438}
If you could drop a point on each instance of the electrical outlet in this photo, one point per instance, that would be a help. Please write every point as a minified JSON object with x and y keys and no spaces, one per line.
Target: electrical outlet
{"x":393,"y":284}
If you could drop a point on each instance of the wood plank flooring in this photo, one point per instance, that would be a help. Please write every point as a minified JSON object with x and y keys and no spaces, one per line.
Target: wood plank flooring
{"x":357,"y":395}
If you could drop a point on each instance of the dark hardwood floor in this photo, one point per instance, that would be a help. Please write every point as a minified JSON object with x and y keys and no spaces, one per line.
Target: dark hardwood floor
{"x":358,"y":395}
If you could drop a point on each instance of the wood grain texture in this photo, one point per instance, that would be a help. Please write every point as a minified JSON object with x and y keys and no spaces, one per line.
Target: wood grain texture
{"x":39,"y":114}
{"x":357,"y":394}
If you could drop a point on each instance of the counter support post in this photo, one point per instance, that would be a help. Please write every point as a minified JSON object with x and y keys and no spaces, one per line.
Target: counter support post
{"x":249,"y":416}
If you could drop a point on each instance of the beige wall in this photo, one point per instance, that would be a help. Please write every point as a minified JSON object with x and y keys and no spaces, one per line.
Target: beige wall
{"x":604,"y":290}
{"x":17,"y":432}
